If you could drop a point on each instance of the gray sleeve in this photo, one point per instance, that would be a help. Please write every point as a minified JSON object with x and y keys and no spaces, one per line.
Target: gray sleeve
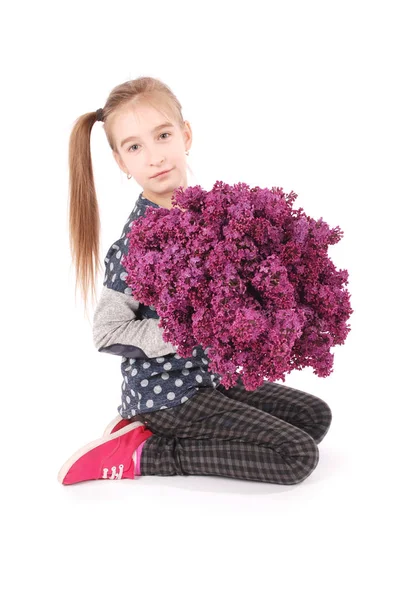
{"x":117,"y":330}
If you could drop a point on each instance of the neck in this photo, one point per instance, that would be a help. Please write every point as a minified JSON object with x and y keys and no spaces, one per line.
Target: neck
{"x":162,"y":201}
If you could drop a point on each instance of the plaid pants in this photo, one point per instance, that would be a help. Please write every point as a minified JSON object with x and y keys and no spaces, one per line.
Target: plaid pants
{"x":269,"y":434}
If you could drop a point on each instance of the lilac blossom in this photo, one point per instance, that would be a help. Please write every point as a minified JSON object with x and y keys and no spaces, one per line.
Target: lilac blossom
{"x":242,"y":273}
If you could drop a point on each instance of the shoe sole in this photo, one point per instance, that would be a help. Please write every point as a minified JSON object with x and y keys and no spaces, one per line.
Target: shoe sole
{"x":68,"y":464}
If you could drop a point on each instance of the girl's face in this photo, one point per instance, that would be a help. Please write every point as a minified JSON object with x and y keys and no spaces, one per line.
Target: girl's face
{"x":145,"y":148}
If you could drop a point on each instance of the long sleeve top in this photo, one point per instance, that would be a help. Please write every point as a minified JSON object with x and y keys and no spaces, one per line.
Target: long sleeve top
{"x":155,"y":377}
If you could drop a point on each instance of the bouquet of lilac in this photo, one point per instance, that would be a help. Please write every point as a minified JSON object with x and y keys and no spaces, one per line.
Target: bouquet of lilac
{"x":241,"y":273}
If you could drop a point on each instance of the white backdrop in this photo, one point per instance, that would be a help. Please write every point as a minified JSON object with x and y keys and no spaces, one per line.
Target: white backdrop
{"x":302,"y":95}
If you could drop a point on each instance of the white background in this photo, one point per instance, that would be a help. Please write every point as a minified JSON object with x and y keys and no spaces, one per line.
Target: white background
{"x":302,"y":95}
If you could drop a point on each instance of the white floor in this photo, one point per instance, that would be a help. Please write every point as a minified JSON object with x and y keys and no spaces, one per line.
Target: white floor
{"x":336,"y":535}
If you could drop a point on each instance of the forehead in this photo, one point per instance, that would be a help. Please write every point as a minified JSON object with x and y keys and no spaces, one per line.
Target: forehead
{"x":133,"y":123}
{"x":140,"y":120}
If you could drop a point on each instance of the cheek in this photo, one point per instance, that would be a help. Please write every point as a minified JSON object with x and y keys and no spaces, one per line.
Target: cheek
{"x":178,"y":157}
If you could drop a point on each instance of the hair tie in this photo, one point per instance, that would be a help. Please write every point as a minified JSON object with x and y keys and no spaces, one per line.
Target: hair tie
{"x":99,"y":114}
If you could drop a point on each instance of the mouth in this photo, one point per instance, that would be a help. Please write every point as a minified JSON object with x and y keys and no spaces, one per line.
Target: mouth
{"x":161,"y":174}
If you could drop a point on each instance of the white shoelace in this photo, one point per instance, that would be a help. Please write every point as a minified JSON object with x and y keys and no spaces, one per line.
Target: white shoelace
{"x":114,"y":474}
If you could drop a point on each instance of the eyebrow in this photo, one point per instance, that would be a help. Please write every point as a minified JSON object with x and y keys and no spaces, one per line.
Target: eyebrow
{"x":133,"y":137}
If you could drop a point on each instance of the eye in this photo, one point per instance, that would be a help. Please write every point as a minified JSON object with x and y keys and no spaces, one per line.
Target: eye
{"x":164,"y":133}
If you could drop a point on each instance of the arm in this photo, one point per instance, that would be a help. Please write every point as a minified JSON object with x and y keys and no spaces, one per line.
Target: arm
{"x":116,"y":329}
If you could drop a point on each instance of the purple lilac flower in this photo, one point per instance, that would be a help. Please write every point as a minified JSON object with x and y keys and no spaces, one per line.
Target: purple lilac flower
{"x":243,"y":274}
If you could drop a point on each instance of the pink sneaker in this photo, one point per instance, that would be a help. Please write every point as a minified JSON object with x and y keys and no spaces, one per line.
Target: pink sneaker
{"x":112,"y":457}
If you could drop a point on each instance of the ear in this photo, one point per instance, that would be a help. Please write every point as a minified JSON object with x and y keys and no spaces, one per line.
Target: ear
{"x":119,"y":161}
{"x":188,"y":134}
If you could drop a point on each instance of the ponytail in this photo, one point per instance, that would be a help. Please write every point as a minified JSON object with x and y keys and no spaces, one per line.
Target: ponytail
{"x":84,"y":220}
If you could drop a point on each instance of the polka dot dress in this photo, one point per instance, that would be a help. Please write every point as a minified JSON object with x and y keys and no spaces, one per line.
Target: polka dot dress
{"x":151,"y":384}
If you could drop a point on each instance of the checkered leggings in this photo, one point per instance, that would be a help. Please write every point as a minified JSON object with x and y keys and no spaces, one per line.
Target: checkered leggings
{"x":269,"y":434}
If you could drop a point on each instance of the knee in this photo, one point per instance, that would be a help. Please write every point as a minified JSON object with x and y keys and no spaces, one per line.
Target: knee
{"x":303,"y":459}
{"x":324,"y":421}
{"x":326,"y":413}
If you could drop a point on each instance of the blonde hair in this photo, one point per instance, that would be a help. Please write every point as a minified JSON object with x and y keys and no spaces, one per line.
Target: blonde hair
{"x":84,"y":220}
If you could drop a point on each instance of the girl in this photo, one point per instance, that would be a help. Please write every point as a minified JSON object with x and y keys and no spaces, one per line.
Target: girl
{"x":174,"y":417}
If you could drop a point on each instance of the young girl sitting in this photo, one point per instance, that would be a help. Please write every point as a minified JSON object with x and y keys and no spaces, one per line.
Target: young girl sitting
{"x":174,"y":417}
